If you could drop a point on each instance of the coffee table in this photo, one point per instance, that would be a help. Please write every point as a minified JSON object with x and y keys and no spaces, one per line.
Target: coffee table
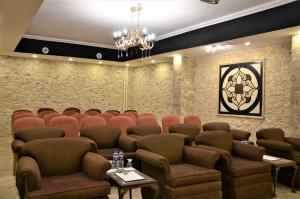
{"x":124,"y":186}
{"x":277,"y":164}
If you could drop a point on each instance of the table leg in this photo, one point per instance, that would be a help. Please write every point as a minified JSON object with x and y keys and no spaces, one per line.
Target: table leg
{"x":121,"y":192}
{"x":293,"y":179}
{"x":130,"y":193}
{"x":275,"y":180}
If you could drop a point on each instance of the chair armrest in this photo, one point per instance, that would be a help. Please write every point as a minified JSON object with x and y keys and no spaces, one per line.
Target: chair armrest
{"x":95,"y":166}
{"x":276,"y":145}
{"x":92,"y":142}
{"x":200,"y":157}
{"x":154,"y":160}
{"x":247,"y":151}
{"x":17,"y":146}
{"x":240,"y":135}
{"x":293,"y":141}
{"x":126,"y":143}
{"x":29,"y":170}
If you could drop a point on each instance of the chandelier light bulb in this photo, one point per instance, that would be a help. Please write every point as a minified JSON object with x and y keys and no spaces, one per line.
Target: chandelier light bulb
{"x":145,"y":30}
{"x":125,"y":31}
{"x":115,"y":34}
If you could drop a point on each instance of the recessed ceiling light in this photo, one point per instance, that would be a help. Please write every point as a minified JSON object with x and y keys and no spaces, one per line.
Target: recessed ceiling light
{"x":127,"y":64}
{"x":152,"y":61}
{"x":248,"y":43}
{"x":34,"y":56}
{"x":70,"y":59}
{"x":100,"y":62}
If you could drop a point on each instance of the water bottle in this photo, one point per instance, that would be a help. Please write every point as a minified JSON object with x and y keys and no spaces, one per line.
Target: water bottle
{"x":121,"y":160}
{"x":115,"y":160}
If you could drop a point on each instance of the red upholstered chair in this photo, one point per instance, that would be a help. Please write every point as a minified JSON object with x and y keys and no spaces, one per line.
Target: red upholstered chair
{"x":146,"y":119}
{"x":71,"y":111}
{"x":50,"y":116}
{"x":106,"y":116}
{"x":121,"y":122}
{"x":93,"y":111}
{"x":69,"y":124}
{"x":148,"y":114}
{"x":45,"y":109}
{"x":134,"y":112}
{"x":169,"y":120}
{"x":92,"y":121}
{"x":28,"y":123}
{"x":41,"y":114}
{"x":20,"y":114}
{"x":129,"y":114}
{"x":79,"y":116}
{"x":114,"y":112}
{"x":193,"y":119}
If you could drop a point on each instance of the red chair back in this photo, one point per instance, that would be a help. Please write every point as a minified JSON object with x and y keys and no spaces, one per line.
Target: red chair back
{"x":193,"y":119}
{"x":45,"y":109}
{"x":79,"y":116}
{"x":41,"y":114}
{"x":28,"y":123}
{"x":69,"y":124}
{"x":169,"y":120}
{"x":113,"y":112}
{"x":146,"y":119}
{"x":134,"y":112}
{"x":121,"y":122}
{"x":148,"y":114}
{"x":93,"y":111}
{"x":50,"y":116}
{"x":129,"y":114}
{"x":92,"y":121}
{"x":106,"y":116}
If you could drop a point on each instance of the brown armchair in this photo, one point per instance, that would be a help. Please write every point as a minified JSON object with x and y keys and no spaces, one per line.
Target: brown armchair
{"x":239,"y":135}
{"x":141,"y":130}
{"x":244,"y":174}
{"x":181,"y":171}
{"x":276,"y":144}
{"x":108,"y":140}
{"x":62,"y":169}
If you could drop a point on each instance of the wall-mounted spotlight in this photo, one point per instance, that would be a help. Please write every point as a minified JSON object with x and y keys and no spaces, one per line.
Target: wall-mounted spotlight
{"x":99,"y":55}
{"x":45,"y":50}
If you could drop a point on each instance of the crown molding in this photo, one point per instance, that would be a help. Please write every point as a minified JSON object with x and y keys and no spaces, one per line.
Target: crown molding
{"x":229,"y":17}
{"x":68,"y":41}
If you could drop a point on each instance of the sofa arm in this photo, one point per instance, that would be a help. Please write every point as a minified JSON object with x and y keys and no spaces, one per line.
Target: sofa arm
{"x":247,"y":151}
{"x":276,"y":145}
{"x":240,"y":135}
{"x":95,"y":166}
{"x":17,"y":146}
{"x":154,"y":160}
{"x":126,"y":143}
{"x":293,"y":141}
{"x":92,"y":142}
{"x":29,"y":170}
{"x":200,"y":157}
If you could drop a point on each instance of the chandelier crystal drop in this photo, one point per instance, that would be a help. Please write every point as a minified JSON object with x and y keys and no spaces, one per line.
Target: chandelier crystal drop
{"x":136,"y":39}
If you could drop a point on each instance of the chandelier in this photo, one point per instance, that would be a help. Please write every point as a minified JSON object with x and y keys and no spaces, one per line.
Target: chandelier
{"x":136,"y":39}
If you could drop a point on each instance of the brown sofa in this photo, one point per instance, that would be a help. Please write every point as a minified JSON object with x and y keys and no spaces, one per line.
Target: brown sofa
{"x":141,"y":130}
{"x":62,"y":169}
{"x":276,"y":144}
{"x":239,"y":135}
{"x":181,"y":171}
{"x":187,"y":129}
{"x":108,"y":140}
{"x":244,"y":174}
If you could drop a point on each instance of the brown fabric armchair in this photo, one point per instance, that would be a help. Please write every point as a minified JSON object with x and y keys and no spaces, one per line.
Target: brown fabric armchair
{"x":141,"y":130}
{"x":276,"y":144}
{"x":239,"y":135}
{"x":244,"y":174}
{"x":181,"y":171}
{"x":62,"y":169}
{"x":108,"y":140}
{"x":187,"y":129}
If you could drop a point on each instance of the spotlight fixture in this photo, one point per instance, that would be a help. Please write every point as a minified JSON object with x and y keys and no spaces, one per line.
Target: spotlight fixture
{"x":248,"y":43}
{"x":45,"y":50}
{"x":215,"y":47}
{"x":211,"y":1}
{"x":70,"y":59}
{"x":34,"y":56}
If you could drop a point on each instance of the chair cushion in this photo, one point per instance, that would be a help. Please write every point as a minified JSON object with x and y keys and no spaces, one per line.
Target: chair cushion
{"x":108,"y":153}
{"x":271,"y":134}
{"x":188,"y":174}
{"x":186,"y":129}
{"x":243,"y":167}
{"x":74,"y":186}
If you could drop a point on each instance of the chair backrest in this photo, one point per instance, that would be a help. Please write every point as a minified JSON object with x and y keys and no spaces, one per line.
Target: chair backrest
{"x":121,"y":122}
{"x":216,"y":126}
{"x":28,"y":123}
{"x":219,"y":139}
{"x":50,"y":116}
{"x":106,"y":116}
{"x":92,"y":121}
{"x":93,"y":112}
{"x":193,"y":119}
{"x":148,"y":114}
{"x":113,"y":112}
{"x":56,"y":156}
{"x":271,"y":134}
{"x":45,"y":109}
{"x":79,"y":116}
{"x":186,"y":129}
{"x":146,"y":119}
{"x":134,"y":112}
{"x":104,"y":136}
{"x":74,"y":109}
{"x":41,"y":114}
{"x":169,"y":120}
{"x":129,"y":114}
{"x":27,"y":135}
{"x":69,"y":112}
{"x":22,"y":111}
{"x":69,"y":124}
{"x":18,"y":115}
{"x":144,"y":129}
{"x":168,"y":146}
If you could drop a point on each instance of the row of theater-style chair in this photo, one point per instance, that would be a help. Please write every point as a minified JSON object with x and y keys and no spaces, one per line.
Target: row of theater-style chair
{"x":216,"y":166}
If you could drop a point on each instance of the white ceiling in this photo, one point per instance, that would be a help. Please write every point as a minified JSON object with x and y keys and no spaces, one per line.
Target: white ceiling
{"x":94,"y":21}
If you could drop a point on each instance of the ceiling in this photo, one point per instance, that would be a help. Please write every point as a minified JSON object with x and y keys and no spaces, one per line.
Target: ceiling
{"x":73,"y":20}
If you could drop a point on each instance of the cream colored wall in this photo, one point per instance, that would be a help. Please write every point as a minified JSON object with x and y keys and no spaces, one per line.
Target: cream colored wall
{"x":33,"y":83}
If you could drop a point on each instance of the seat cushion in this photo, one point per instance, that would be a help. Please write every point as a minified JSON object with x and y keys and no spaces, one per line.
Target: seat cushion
{"x":243,"y":167}
{"x":75,"y":186}
{"x":187,"y":174}
{"x":108,"y":153}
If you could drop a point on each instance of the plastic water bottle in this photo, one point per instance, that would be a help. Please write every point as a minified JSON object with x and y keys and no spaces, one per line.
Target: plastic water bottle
{"x":121,"y":160}
{"x":115,"y":160}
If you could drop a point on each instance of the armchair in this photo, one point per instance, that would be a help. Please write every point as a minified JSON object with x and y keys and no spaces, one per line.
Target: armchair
{"x":76,"y":172}
{"x":181,"y":171}
{"x":244,"y":174}
{"x":277,"y":144}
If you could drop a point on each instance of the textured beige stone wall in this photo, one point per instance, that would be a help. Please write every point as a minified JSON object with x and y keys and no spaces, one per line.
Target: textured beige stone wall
{"x":32,"y":83}
{"x":150,"y":89}
{"x":277,"y":80}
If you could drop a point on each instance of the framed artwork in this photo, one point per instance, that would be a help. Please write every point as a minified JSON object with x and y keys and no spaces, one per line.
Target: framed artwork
{"x":241,"y":89}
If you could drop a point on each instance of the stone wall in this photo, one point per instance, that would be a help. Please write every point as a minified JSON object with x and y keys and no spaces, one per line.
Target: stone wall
{"x":33,"y":83}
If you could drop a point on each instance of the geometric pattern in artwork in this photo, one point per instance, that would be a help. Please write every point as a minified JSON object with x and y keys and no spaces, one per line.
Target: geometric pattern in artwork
{"x":241,"y":89}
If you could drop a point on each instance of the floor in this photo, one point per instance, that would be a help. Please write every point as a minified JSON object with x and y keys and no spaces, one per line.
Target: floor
{"x":8,"y":189}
